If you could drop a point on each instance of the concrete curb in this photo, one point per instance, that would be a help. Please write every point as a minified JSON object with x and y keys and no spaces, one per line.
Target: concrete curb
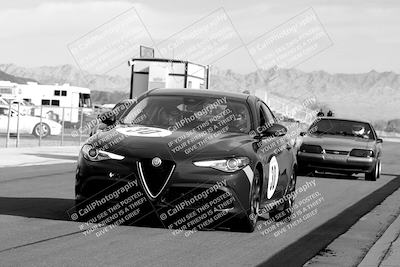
{"x":383,"y":252}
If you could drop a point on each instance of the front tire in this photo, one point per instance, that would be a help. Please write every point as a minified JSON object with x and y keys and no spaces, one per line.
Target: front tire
{"x":41,"y":131}
{"x":374,"y":173}
{"x":287,"y":207}
{"x":248,"y":222}
{"x":379,"y":169}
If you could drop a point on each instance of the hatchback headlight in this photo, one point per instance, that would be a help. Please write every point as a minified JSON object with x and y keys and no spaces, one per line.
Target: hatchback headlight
{"x":94,"y":154}
{"x":226,"y":165}
{"x":311,"y":149}
{"x":364,"y":153}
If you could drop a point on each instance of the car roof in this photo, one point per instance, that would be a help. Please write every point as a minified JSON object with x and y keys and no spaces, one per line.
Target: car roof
{"x":198,"y":92}
{"x":344,"y":119}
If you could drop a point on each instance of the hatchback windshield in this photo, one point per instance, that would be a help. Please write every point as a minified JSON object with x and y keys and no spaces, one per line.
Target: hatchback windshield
{"x":342,"y":127}
{"x":189,"y":113}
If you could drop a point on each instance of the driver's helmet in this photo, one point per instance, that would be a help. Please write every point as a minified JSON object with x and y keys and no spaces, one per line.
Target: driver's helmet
{"x":169,"y":115}
{"x":358,"y":130}
{"x":241,"y":119}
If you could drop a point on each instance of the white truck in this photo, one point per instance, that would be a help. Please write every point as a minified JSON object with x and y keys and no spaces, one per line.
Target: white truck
{"x":57,"y":101}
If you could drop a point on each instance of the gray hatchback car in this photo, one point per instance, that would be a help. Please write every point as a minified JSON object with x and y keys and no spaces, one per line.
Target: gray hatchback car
{"x":341,"y":146}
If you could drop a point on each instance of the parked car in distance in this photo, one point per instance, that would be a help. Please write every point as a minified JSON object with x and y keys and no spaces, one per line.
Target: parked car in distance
{"x":25,"y":107}
{"x":27,"y":124}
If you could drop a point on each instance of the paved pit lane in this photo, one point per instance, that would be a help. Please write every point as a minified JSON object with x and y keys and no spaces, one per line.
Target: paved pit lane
{"x":36,"y":231}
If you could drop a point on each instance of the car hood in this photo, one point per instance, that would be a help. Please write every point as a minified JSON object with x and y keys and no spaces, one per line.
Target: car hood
{"x":139,"y":141}
{"x":342,"y":143}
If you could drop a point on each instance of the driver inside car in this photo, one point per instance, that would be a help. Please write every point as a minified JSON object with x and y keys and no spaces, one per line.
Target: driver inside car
{"x":168,"y":116}
{"x":359,"y":130}
{"x":241,"y":119}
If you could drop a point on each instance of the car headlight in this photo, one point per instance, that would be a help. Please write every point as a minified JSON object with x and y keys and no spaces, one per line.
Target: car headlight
{"x":226,"y":165}
{"x":311,"y":149}
{"x":94,"y":154}
{"x":362,"y":153}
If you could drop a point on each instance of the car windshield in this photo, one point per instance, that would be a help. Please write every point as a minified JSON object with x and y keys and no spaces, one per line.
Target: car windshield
{"x":342,"y":127}
{"x":120,"y":108}
{"x":189,"y":113}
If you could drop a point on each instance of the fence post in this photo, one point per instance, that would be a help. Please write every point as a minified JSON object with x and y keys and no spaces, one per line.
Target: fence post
{"x":62,"y":127}
{"x":70,"y":117}
{"x":80,"y":127}
{"x":17,"y":142}
{"x":8,"y":123}
{"x":41,"y":126}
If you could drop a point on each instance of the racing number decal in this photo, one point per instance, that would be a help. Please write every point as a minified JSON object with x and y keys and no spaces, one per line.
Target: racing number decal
{"x":144,"y":131}
{"x":273,"y":176}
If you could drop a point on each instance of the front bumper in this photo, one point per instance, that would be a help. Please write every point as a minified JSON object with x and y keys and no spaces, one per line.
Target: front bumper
{"x":227,"y":192}
{"x":335,"y":163}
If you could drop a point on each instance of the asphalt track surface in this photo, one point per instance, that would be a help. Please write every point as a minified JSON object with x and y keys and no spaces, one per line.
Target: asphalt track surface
{"x":36,"y":231}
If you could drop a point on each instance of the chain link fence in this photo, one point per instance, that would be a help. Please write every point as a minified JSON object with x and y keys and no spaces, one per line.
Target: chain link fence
{"x":45,"y":125}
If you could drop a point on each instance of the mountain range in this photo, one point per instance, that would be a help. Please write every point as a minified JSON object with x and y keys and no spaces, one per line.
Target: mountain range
{"x":372,"y":96}
{"x":8,"y":77}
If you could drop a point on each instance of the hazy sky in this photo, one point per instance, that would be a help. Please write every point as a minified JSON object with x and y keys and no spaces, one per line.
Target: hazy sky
{"x":365,"y":34}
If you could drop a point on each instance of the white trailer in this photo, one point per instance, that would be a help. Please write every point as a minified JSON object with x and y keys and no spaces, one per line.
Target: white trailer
{"x":56,"y":100}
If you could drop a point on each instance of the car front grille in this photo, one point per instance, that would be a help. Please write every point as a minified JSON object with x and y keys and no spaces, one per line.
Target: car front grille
{"x":336,"y":152}
{"x":154,"y":178}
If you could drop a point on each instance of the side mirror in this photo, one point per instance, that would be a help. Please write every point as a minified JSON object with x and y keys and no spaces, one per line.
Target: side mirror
{"x":303,"y":133}
{"x":274,"y":130}
{"x":379,"y":140}
{"x":108,"y":118}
